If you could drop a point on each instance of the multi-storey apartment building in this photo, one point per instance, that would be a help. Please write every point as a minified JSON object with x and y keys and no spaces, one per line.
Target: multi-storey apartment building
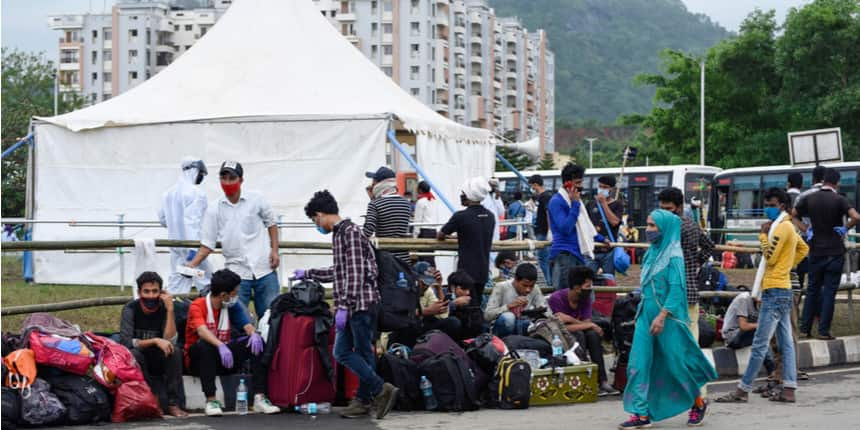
{"x":456,"y":56}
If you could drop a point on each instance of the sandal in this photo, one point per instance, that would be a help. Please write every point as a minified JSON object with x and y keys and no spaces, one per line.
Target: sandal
{"x":779,"y":396}
{"x":826,"y":337}
{"x":732,"y":397}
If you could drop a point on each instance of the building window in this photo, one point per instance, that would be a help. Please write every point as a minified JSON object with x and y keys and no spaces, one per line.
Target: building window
{"x":132,"y":34}
{"x":107,"y":33}
{"x":132,"y":76}
{"x":387,"y":50}
{"x":93,"y":97}
{"x":415,"y":91}
{"x":107,"y":77}
{"x":95,"y":77}
{"x":387,"y":70}
{"x":106,"y":55}
{"x":95,"y":35}
{"x":374,"y":51}
{"x":333,"y":13}
{"x":176,"y":27}
{"x":132,"y":56}
{"x":374,"y":29}
{"x":415,"y":50}
{"x":148,"y":36}
{"x":106,"y":97}
{"x":414,"y":72}
{"x":322,"y":12}
{"x":203,"y":31}
{"x":69,"y":57}
{"x":187,"y":47}
{"x":373,"y":7}
{"x":415,"y":28}
{"x":94,"y":55}
{"x":189,"y":27}
{"x":387,"y":28}
{"x":148,"y":58}
{"x":148,"y":74}
{"x":415,"y":10}
{"x":387,"y":5}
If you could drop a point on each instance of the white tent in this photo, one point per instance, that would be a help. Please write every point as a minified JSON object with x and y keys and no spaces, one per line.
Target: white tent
{"x":274,"y":86}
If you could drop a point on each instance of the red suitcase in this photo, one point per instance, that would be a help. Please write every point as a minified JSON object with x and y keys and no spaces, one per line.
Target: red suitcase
{"x":296,"y":374}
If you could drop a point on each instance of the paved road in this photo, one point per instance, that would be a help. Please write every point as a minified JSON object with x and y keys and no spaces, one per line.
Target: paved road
{"x":829,"y":401}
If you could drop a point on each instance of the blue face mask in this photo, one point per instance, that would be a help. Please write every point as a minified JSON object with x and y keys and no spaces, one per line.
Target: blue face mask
{"x":604,"y":192}
{"x":322,"y":230}
{"x":653,"y":236}
{"x":772,"y":213}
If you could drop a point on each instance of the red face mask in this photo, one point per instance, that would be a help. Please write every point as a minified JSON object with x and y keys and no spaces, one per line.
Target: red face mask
{"x":231,"y":189}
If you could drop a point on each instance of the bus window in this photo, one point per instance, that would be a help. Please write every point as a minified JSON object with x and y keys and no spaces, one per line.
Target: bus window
{"x":661,"y":181}
{"x":774,"y":181}
{"x":698,"y":186}
{"x":848,"y":184}
{"x":746,"y":197}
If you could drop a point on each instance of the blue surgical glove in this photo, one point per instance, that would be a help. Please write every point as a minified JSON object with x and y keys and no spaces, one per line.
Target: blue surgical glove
{"x":842,"y":231}
{"x":340,"y":319}
{"x":191,"y":255}
{"x":808,"y":234}
{"x":256,"y":344}
{"x":299,"y":274}
{"x":226,"y":356}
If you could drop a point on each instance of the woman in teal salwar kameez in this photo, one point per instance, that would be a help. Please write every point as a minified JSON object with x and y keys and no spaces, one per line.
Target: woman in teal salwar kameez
{"x":666,"y":368}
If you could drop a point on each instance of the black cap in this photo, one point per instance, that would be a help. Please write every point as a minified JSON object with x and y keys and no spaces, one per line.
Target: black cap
{"x":231,"y":167}
{"x":381,"y":174}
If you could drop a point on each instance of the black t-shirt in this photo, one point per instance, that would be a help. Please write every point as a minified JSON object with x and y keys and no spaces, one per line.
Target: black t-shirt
{"x":542,"y":208}
{"x":594,"y":213}
{"x":137,"y":324}
{"x":826,"y":210}
{"x":474,"y":227}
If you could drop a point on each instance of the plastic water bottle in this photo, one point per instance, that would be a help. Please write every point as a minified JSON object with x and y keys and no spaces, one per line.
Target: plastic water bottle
{"x":401,"y":281}
{"x":314,"y":408}
{"x":242,"y":398}
{"x":427,"y":391}
{"x":557,"y":346}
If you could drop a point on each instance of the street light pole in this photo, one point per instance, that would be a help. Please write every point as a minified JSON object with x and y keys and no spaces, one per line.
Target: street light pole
{"x":56,"y":90}
{"x":702,"y":118}
{"x":590,"y":151}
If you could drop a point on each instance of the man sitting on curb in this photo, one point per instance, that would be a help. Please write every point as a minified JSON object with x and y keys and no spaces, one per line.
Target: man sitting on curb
{"x":148,"y":330}
{"x":511,"y":298}
{"x":740,"y":325}
{"x":209,"y":350}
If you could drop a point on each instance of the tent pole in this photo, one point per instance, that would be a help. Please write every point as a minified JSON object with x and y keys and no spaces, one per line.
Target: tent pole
{"x":399,"y":147}
{"x":512,"y":168}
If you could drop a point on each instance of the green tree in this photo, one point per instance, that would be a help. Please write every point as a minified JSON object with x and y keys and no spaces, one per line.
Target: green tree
{"x":546,"y":163}
{"x":27,"y":91}
{"x":519,"y":161}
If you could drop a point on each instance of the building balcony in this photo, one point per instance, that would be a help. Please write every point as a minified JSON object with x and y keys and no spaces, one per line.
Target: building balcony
{"x":65,"y":22}
{"x":351,"y":38}
{"x":477,"y":111}
{"x":459,"y":49}
{"x":443,"y":2}
{"x":387,"y":38}
{"x":70,"y":66}
{"x":387,"y":60}
{"x":169,"y":48}
{"x":476,"y":40}
{"x":476,"y":58}
{"x":442,"y":20}
{"x":345,"y":17}
{"x":459,"y":28}
{"x":477,"y":79}
{"x":441,"y":107}
{"x":497,"y":85}
{"x":459,"y":91}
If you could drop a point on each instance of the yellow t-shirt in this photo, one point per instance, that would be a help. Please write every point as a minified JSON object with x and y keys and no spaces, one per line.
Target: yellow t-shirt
{"x":783,"y":252}
{"x":428,"y":298}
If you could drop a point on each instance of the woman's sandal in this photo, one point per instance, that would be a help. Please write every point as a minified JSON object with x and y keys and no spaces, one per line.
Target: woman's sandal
{"x":779,"y":396}
{"x":732,"y":397}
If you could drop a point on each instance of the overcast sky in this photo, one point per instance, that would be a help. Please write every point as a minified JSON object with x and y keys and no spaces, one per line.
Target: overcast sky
{"x":24,"y":23}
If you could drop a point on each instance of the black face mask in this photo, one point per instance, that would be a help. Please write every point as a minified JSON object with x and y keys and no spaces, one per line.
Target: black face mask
{"x":150,"y":305}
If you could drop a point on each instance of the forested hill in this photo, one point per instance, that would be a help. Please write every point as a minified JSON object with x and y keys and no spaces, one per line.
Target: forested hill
{"x":601,"y":45}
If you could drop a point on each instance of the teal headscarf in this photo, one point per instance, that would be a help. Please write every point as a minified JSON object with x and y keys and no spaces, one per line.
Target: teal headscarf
{"x":660,"y":254}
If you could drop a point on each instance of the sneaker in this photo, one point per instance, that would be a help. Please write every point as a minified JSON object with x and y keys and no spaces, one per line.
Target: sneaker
{"x":356,"y":409}
{"x":607,"y":390}
{"x":264,"y":406}
{"x":384,"y":401}
{"x":635,"y":422}
{"x":213,"y":409}
{"x":697,"y":415}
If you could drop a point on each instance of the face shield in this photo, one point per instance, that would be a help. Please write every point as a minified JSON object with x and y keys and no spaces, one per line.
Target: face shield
{"x":195,"y":171}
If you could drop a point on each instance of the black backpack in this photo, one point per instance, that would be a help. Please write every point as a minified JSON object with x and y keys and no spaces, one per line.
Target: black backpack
{"x":484,"y":353}
{"x":511,"y":386}
{"x":453,"y":382}
{"x":403,"y":374}
{"x":87,"y":401}
{"x":707,"y":333}
{"x":309,"y":292}
{"x":180,"y":317}
{"x":11,"y":408}
{"x":623,"y":325}
{"x":399,"y":305}
{"x":708,"y":277}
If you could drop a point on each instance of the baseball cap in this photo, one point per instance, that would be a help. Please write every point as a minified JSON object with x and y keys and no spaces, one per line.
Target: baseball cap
{"x":425,"y":272}
{"x":231,"y":167}
{"x":381,"y":174}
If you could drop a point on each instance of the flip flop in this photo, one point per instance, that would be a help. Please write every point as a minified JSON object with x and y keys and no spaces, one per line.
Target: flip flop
{"x":732,"y":397}
{"x":779,"y":397}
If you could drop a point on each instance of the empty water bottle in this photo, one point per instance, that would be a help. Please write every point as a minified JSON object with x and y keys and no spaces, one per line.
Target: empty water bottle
{"x":314,"y":408}
{"x":427,"y":391}
{"x":401,"y":281}
{"x":557,"y":346}
{"x":242,"y":398}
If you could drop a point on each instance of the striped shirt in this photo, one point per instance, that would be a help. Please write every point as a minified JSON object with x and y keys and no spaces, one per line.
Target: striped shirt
{"x":354,"y":272}
{"x":697,"y":247}
{"x":389,"y":216}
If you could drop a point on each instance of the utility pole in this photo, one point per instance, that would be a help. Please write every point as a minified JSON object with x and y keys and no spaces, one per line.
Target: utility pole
{"x":590,"y":151}
{"x":56,"y":88}
{"x":702,"y":118}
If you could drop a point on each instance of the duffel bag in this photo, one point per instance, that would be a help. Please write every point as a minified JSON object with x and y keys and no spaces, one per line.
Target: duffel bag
{"x":87,"y":401}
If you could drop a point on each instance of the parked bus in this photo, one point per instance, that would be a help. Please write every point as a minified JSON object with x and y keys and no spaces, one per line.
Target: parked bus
{"x":639,"y":188}
{"x":738,"y":194}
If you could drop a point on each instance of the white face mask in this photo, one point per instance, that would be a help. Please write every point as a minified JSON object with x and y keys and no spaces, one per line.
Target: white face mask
{"x":604,"y":192}
{"x":232,"y":301}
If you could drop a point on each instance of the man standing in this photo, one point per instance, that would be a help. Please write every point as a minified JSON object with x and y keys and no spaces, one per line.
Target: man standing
{"x":795,"y":183}
{"x":148,"y":330}
{"x":356,"y":298}
{"x":782,"y":249}
{"x":697,"y":248}
{"x":564,"y":208}
{"x":182,"y":211}
{"x":245,"y":224}
{"x":210,"y":350}
{"x":474,"y":228}
{"x":613,"y":211}
{"x":388,"y":213}
{"x":542,"y":196}
{"x":516,"y":211}
{"x":826,"y":211}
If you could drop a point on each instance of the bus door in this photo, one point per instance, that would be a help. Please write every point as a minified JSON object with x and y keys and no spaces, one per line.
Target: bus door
{"x":640,"y":199}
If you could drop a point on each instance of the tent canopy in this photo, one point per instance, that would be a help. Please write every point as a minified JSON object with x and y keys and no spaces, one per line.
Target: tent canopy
{"x":268,"y":58}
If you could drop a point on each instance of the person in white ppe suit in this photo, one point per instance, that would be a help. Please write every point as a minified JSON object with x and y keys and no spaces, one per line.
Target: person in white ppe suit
{"x":182,"y":211}
{"x":493,"y":203}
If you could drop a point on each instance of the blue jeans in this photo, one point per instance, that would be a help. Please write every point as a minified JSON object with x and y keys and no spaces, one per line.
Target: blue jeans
{"x":543,"y":258}
{"x":824,"y":276}
{"x":774,"y":317}
{"x":561,"y":265}
{"x":265,"y":290}
{"x":507,"y":324}
{"x":603,"y":260}
{"x":353,"y":347}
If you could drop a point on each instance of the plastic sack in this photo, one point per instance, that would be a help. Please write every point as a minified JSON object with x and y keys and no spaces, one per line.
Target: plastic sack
{"x":115,"y":364}
{"x":69,"y":354}
{"x":135,"y":401}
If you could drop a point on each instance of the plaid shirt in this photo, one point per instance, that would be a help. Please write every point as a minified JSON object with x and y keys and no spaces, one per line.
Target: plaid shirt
{"x":354,"y":272}
{"x":697,"y":247}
